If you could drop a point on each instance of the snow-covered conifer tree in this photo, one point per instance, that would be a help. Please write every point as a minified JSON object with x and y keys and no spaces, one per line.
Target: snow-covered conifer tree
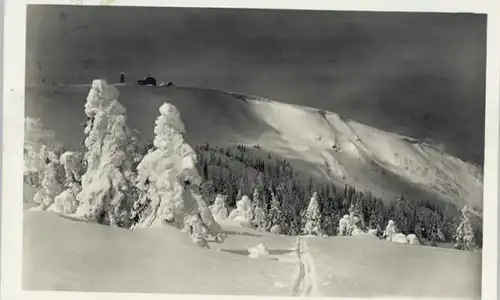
{"x":464,"y":233}
{"x":355,"y":215}
{"x":375,"y":220}
{"x":390,"y":231}
{"x":219,"y":208}
{"x":328,"y":215}
{"x":313,"y":218}
{"x":243,"y":211}
{"x":159,"y":172}
{"x":168,"y":180}
{"x":51,"y":187}
{"x":344,"y":227}
{"x":419,"y":229}
{"x":260,"y":218}
{"x":274,"y":216}
{"x":104,"y":197}
{"x":66,"y":201}
{"x":39,"y":144}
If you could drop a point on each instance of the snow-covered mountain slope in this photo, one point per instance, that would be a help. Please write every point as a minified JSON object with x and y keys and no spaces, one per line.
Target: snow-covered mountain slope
{"x":63,"y":254}
{"x":317,"y":142}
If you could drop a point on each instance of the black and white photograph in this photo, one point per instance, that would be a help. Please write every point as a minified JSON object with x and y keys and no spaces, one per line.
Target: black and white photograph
{"x":254,"y":152}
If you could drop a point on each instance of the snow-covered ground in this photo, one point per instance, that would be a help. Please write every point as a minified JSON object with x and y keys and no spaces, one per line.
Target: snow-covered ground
{"x":65,"y":254}
{"x":361,"y":267}
{"x":387,"y":164}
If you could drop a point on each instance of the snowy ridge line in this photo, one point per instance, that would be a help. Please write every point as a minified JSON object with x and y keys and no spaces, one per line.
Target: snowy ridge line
{"x":116,"y":84}
{"x":246,"y":97}
{"x":305,"y":284}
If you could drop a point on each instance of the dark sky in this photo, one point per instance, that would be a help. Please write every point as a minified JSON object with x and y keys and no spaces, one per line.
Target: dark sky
{"x":417,"y":74}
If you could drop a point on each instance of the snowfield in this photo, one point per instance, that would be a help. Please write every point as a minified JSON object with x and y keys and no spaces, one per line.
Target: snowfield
{"x":160,"y":260}
{"x":164,"y":260}
{"x":366,"y":266}
{"x":316,"y":142}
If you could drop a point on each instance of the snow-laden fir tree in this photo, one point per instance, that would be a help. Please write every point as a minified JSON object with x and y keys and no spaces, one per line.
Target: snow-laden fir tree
{"x":259,"y":218}
{"x":39,"y":144}
{"x":105,"y":194}
{"x":159,"y":173}
{"x":66,"y":201}
{"x":390,"y":231}
{"x":219,"y":208}
{"x":328,"y":215}
{"x":51,"y":186}
{"x":404,"y":214}
{"x":348,"y":223}
{"x":313,"y":218}
{"x":356,"y":216}
{"x":375,"y":220}
{"x":464,"y":236}
{"x":168,"y":181}
{"x":419,"y":229}
{"x":433,"y":230}
{"x":275,"y":216}
{"x":344,"y":227}
{"x":243,"y":212}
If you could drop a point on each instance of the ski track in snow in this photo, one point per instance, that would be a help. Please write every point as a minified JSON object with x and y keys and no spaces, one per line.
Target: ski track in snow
{"x":305,"y":283}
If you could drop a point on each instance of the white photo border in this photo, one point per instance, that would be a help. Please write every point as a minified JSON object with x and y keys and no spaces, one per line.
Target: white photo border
{"x":13,"y":133}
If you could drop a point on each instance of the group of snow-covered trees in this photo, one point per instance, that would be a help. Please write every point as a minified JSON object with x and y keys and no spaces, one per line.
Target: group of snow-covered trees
{"x":252,"y":213}
{"x":116,"y":181}
{"x":290,"y":204}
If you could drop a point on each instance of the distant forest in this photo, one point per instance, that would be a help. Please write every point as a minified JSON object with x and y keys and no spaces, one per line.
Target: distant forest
{"x":237,"y":172}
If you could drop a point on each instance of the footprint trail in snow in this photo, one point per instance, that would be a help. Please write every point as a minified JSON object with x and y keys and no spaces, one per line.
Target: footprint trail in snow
{"x":305,"y":283}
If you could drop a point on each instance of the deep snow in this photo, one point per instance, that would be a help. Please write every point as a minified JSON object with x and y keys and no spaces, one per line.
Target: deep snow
{"x":386,"y":164}
{"x":153,"y":260}
{"x":366,"y":266}
{"x":164,"y":260}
